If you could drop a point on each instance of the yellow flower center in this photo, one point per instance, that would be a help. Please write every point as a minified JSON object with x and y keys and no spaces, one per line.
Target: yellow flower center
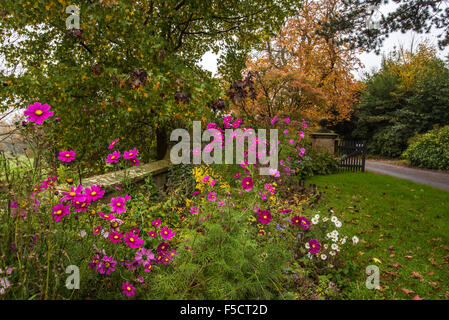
{"x":131,"y":154}
{"x":67,"y":155}
{"x":115,"y":237}
{"x":264,"y":217}
{"x":93,"y":193}
{"x":72,"y":194}
{"x":128,"y":288}
{"x":131,"y":239}
{"x":113,"y":157}
{"x":38,"y":112}
{"x":107,"y":264}
{"x":118,"y":204}
{"x":58,"y":212}
{"x":165,"y":232}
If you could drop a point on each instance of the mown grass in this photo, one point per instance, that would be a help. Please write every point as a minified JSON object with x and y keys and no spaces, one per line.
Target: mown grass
{"x":403,"y":228}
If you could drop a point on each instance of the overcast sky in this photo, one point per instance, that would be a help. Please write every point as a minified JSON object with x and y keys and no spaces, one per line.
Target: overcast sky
{"x":369,"y":59}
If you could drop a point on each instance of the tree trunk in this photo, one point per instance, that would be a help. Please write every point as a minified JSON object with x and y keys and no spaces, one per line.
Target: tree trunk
{"x":161,"y":143}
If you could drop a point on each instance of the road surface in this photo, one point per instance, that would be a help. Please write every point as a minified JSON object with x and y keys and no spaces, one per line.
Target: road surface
{"x":431,"y":178}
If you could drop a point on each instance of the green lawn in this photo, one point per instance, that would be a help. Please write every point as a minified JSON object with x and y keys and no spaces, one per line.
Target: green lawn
{"x":403,"y":228}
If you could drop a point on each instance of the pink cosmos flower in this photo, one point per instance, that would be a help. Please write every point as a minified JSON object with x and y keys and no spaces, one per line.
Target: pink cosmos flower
{"x":166,"y":233}
{"x":74,"y":191}
{"x":156,"y":223}
{"x":314,"y":246}
{"x":118,"y":204}
{"x":291,"y":141}
{"x":144,"y":257}
{"x":38,"y":113}
{"x":130,"y":154}
{"x":287,"y":120}
{"x":59,"y":211}
{"x":213,"y":182}
{"x":95,"y":260}
{"x":237,"y":175}
{"x":133,"y":241}
{"x":263,"y":196}
{"x":205,"y":179}
{"x":135,"y":161}
{"x":247,"y":183}
{"x":97,"y":230}
{"x":269,"y":188}
{"x":128,"y":289}
{"x":67,"y":156}
{"x":194,"y":210}
{"x":106,"y":265}
{"x":274,"y":120}
{"x":106,"y":216}
{"x":113,"y":157}
{"x":115,"y":236}
{"x":221,"y":203}
{"x":162,"y":247}
{"x":264,"y":216}
{"x":113,"y":143}
{"x":275,"y":173}
{"x":152,"y":234}
{"x":301,"y":134}
{"x":81,"y":202}
{"x":94,"y":192}
{"x":212,"y":196}
{"x":305,"y":223}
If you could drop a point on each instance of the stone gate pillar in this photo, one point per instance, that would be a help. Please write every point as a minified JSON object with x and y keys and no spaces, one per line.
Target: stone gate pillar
{"x":323,"y":141}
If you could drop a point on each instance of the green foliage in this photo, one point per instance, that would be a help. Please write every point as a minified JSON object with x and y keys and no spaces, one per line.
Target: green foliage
{"x":131,"y":70}
{"x":316,"y":163}
{"x":407,"y":96}
{"x":431,"y":150}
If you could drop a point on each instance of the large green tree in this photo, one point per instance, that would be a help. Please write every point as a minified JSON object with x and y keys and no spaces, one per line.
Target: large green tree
{"x":408,"y":95}
{"x":131,"y":69}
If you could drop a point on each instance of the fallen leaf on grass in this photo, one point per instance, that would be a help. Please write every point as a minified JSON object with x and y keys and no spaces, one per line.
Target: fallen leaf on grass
{"x":407,"y":291}
{"x":377,"y":260}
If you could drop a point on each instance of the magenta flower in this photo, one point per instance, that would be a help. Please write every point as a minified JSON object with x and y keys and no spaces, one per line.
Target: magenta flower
{"x":237,"y":175}
{"x":97,"y":230}
{"x":152,"y":234}
{"x":113,"y":143}
{"x":81,"y":202}
{"x":113,"y":157}
{"x":166,"y":233}
{"x":130,"y":154}
{"x":194,"y":210}
{"x":287,"y":120}
{"x":264,"y":216}
{"x":274,"y":120}
{"x":247,"y":183}
{"x":38,"y":113}
{"x":128,"y":289}
{"x":67,"y":156}
{"x":314,"y":246}
{"x":106,"y":265}
{"x":305,"y":223}
{"x":115,"y":236}
{"x":95,"y":260}
{"x":72,"y":194}
{"x":212,"y":196}
{"x":221,"y":203}
{"x":269,"y":188}
{"x":144,"y":257}
{"x":118,"y":204}
{"x":59,"y":211}
{"x":94,"y":192}
{"x":106,"y":216}
{"x":133,"y":241}
{"x":135,"y":161}
{"x":156,"y":223}
{"x":162,"y":247}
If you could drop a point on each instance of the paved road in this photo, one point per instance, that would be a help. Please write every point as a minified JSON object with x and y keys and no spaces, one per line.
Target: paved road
{"x":431,"y":178}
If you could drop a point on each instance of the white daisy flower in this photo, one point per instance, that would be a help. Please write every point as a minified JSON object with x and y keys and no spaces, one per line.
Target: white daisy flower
{"x":314,"y":221}
{"x":334,"y":219}
{"x":323,"y":257}
{"x":334,"y":233}
{"x":338,"y":224}
{"x":317,"y":216}
{"x":355,"y":240}
{"x":343,"y":241}
{"x":332,"y":253}
{"x":334,"y":246}
{"x":325,"y":246}
{"x":82,"y":233}
{"x":325,"y":219}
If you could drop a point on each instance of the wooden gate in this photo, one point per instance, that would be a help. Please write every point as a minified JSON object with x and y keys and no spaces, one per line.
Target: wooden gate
{"x":352,"y":154}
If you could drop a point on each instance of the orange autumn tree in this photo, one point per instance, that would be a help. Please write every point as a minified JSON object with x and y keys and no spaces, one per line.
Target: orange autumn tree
{"x":303,"y":72}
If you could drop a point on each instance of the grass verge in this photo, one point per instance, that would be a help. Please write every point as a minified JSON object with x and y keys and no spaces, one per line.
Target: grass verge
{"x":403,"y":229}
